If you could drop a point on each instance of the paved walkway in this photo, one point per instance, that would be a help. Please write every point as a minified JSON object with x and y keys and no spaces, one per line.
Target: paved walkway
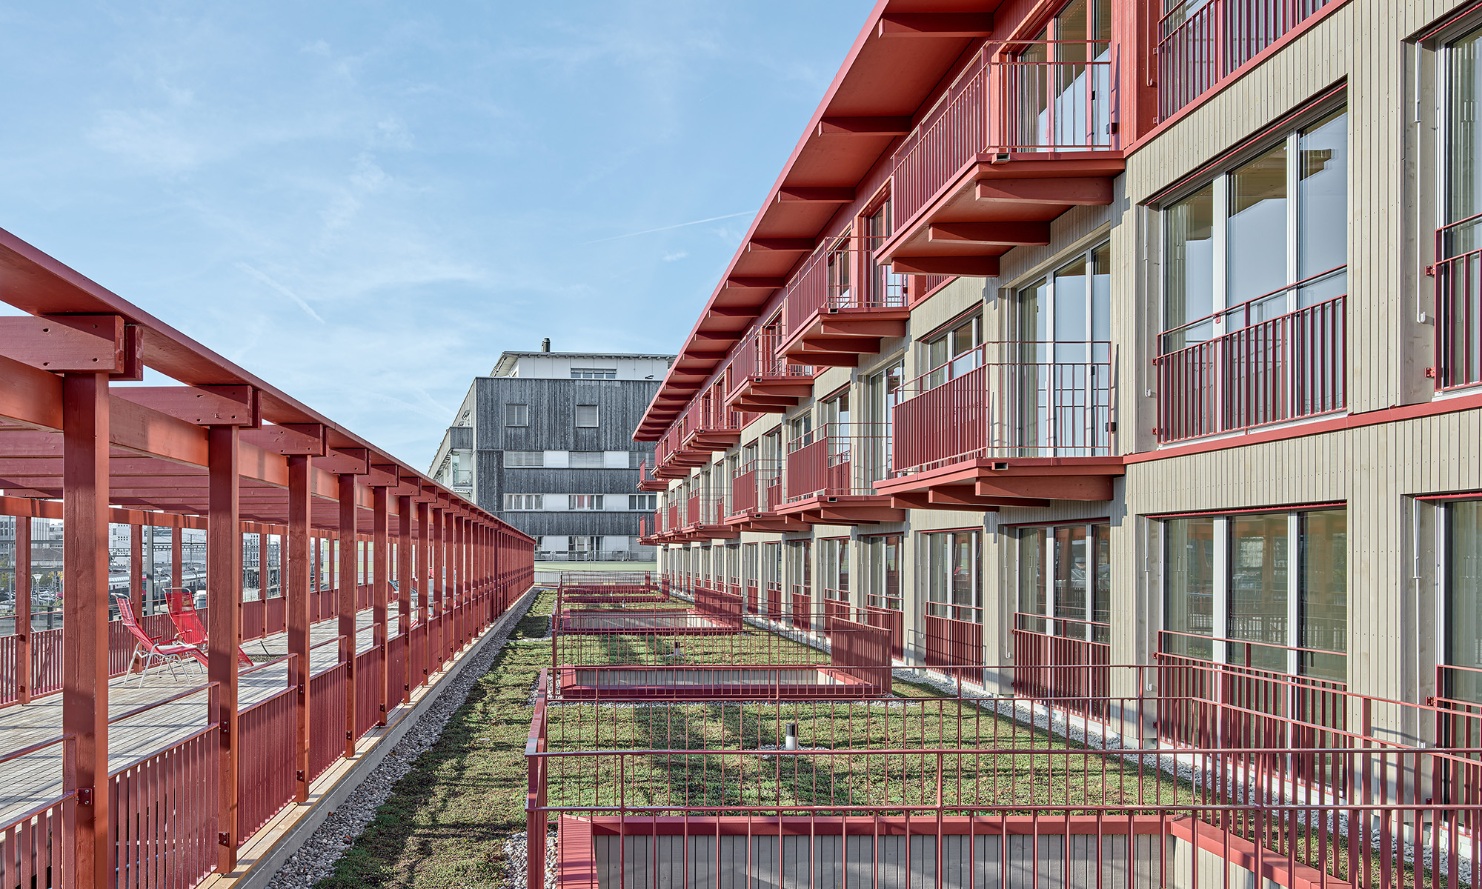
{"x":36,"y":779}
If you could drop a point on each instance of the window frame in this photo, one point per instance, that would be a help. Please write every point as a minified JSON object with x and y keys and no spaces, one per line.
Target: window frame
{"x":577,"y":416}
{"x":524,"y":413}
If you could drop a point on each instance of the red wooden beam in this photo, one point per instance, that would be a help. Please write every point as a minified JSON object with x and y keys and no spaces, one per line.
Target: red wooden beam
{"x":72,"y":343}
{"x":85,"y":623}
{"x":935,"y":24}
{"x":234,"y":405}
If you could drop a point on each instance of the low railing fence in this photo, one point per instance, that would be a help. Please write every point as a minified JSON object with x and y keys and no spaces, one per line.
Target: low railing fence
{"x":1056,"y":657}
{"x":892,"y":620}
{"x":1254,"y":364}
{"x":954,"y":640}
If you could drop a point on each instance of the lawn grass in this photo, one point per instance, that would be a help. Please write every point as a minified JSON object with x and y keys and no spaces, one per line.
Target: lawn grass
{"x":446,"y":819}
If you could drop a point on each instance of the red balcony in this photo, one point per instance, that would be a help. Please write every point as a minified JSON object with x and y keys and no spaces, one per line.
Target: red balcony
{"x":830,"y":475}
{"x":756,"y":492}
{"x":762,"y":380}
{"x":1458,"y":274}
{"x":1024,"y":134}
{"x":711,"y":426}
{"x":1007,"y":424}
{"x":1255,"y":364}
{"x":704,"y":519}
{"x":672,"y":460}
{"x":1201,"y":46}
{"x":840,"y":305}
{"x":647,"y":481}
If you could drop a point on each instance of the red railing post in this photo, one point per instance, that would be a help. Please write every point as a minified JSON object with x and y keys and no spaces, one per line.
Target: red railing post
{"x":404,"y":575}
{"x":300,"y":621}
{"x":224,"y":579}
{"x":349,"y":597}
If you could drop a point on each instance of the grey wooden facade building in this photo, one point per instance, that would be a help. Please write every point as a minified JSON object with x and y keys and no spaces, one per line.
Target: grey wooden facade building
{"x":545,"y":443}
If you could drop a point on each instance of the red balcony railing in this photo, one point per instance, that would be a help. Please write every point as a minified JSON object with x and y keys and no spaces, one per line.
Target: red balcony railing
{"x":892,"y":619}
{"x":836,"y":460}
{"x":757,"y":358}
{"x":1248,"y":366}
{"x":1201,"y":43}
{"x":1458,"y":273}
{"x":1009,"y":399}
{"x":745,"y":494}
{"x":802,"y":606}
{"x":1050,"y":96}
{"x":830,"y":281}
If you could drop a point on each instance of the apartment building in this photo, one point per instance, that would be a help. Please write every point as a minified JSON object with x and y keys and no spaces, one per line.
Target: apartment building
{"x":1111,"y":333}
{"x":544,"y":443}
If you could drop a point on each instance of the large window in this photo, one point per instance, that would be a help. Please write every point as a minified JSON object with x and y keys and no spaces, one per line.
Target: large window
{"x":584,"y":501}
{"x":517,"y":415}
{"x":1463,"y":630}
{"x":524,"y":501}
{"x":1065,"y":580}
{"x":882,"y":567}
{"x":953,"y":352}
{"x":887,"y":289}
{"x":1268,"y":237}
{"x":524,"y":459}
{"x":1062,"y":82}
{"x":833,"y":562}
{"x":1233,"y":593}
{"x":951,"y":573}
{"x":586,"y":416}
{"x":643,"y":502}
{"x":1458,"y":269}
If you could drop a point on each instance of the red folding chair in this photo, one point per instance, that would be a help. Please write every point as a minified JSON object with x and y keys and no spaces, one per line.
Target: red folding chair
{"x":187,"y":620}
{"x":148,"y":650}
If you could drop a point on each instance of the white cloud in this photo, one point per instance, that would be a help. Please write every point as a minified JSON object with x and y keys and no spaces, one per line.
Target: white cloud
{"x":676,"y":256}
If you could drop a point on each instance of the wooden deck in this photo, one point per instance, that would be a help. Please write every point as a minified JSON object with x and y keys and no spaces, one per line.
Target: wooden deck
{"x":36,"y":779}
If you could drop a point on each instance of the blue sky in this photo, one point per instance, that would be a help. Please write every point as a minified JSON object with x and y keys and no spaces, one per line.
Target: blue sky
{"x":364,"y":203}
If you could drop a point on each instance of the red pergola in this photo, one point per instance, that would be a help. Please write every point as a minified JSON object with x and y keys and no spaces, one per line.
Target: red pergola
{"x":221,"y":450}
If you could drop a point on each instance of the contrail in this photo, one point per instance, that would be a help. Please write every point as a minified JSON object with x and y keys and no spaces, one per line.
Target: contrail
{"x":260,"y":276}
{"x":650,"y":231}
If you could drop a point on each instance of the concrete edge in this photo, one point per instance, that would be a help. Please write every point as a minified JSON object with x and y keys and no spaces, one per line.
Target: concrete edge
{"x":262,"y":857}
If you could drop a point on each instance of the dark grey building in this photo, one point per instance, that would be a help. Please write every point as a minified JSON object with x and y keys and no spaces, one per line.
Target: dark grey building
{"x":545,"y":442}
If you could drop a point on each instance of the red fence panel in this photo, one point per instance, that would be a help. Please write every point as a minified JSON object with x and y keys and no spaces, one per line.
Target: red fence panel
{"x":802,"y":609}
{"x":9,"y":678}
{"x":952,"y":643}
{"x":46,"y":662}
{"x":950,"y":135}
{"x":164,"y":815}
{"x":1458,"y":273}
{"x":327,"y":718}
{"x":367,"y":695}
{"x":890,"y":619}
{"x":1050,"y":662}
{"x":396,"y":668}
{"x":265,"y":779}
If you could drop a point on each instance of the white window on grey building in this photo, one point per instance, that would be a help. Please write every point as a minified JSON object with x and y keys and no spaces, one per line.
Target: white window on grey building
{"x":584,"y":501}
{"x":524,"y":459}
{"x":586,"y":416}
{"x":585,"y":460}
{"x":517,"y":415}
{"x":524,"y":501}
{"x":594,"y":373}
{"x":643,"y":502}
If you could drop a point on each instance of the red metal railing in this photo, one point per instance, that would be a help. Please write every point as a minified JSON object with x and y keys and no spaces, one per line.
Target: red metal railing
{"x":268,"y":731}
{"x":756,"y":358}
{"x":801,"y":614}
{"x":1050,"y":96}
{"x":368,"y":711}
{"x":327,"y":690}
{"x":1062,"y":658}
{"x":1458,"y":273}
{"x":835,"y":460}
{"x":1201,"y":44}
{"x":745,"y":495}
{"x":829,"y":281}
{"x":1007,"y":399}
{"x":1249,"y":369}
{"x":774,"y":600}
{"x":34,"y":844}
{"x":954,"y":640}
{"x":164,"y":814}
{"x":890,"y":619}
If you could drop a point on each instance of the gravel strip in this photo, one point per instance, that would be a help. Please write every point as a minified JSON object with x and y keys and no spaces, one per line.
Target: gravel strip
{"x":315,"y":860}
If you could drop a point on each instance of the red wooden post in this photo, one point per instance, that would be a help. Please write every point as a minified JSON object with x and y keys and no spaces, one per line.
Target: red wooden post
{"x":224,"y":580}
{"x":177,"y":557}
{"x":454,"y":568}
{"x":348,"y":594}
{"x":262,"y":572}
{"x":404,"y":577}
{"x":440,"y":580}
{"x":136,"y":568}
{"x":380,"y":593}
{"x":428,"y":602}
{"x":297,"y":579}
{"x":23,"y":608}
{"x":85,"y":620}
